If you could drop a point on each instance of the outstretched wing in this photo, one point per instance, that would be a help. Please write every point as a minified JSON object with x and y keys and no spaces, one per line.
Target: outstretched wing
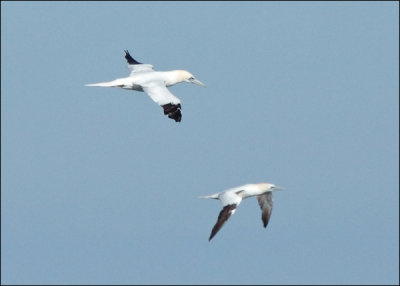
{"x":223,"y":216}
{"x":160,"y":94}
{"x":230,"y":201}
{"x":130,"y":60}
{"x":266,"y":202}
{"x":134,"y":66}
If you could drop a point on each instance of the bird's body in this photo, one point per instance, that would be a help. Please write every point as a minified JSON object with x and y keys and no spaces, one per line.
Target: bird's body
{"x":232,"y":197}
{"x":154,"y":83}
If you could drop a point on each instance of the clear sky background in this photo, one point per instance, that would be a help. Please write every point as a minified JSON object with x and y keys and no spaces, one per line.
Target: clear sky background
{"x":99,"y":187}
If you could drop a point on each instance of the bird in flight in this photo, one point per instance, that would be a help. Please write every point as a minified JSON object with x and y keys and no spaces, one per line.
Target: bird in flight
{"x":231,"y":199}
{"x":144,"y":78}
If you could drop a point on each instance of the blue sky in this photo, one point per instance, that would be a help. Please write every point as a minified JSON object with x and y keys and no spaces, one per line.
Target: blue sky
{"x":99,"y":187}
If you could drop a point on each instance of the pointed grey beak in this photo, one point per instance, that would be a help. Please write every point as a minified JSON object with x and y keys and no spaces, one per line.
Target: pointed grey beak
{"x":196,"y":81}
{"x":278,"y":188}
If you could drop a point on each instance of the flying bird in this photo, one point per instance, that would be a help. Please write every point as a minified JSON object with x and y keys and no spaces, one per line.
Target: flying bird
{"x":144,"y":78}
{"x":231,"y":199}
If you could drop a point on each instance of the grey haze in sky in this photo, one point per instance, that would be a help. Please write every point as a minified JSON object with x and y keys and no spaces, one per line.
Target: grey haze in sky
{"x":99,"y":187}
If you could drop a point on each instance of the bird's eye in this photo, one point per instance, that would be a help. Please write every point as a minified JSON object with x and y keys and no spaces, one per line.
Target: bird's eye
{"x":191,"y":78}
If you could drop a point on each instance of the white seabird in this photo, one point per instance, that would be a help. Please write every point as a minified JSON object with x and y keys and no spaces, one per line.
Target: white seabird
{"x":231,"y":199}
{"x":154,"y":83}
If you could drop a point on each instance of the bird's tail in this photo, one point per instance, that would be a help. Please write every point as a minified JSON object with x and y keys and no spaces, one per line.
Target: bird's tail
{"x":104,"y":84}
{"x":114,"y":83}
{"x":213,"y":196}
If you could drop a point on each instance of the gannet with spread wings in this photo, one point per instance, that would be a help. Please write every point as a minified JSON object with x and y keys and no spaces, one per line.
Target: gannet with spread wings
{"x":231,"y":199}
{"x":144,"y":78}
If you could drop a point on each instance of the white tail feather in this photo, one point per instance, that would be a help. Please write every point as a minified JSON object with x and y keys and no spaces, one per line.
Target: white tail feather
{"x":213,"y":196}
{"x":104,"y":84}
{"x":119,"y":82}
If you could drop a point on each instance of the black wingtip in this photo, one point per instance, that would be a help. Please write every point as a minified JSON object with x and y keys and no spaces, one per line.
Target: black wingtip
{"x":130,"y":60}
{"x":173,"y":111}
{"x":214,"y":231}
{"x":211,"y":236}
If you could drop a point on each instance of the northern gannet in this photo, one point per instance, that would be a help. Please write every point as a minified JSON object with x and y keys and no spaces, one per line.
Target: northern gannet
{"x":154,"y":83}
{"x":231,"y":199}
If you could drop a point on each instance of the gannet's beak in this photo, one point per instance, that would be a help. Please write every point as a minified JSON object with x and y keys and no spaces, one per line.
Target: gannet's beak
{"x":278,"y":188}
{"x":196,"y":81}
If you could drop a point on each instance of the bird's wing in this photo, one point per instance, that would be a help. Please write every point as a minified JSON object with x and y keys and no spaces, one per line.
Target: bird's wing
{"x":230,"y":202}
{"x":223,"y":216}
{"x":266,"y":202}
{"x":134,"y":66}
{"x":139,"y":68}
{"x":160,"y":94}
{"x":130,"y":60}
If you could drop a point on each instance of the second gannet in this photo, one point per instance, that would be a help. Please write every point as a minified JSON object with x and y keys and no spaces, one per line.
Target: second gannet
{"x":231,"y":199}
